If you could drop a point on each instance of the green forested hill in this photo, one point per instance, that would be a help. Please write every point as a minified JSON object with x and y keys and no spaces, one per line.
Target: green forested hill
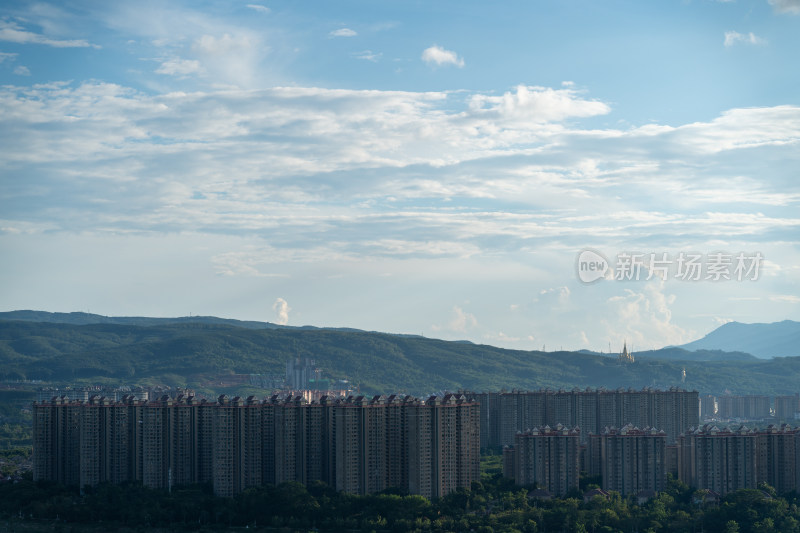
{"x":184,"y":353}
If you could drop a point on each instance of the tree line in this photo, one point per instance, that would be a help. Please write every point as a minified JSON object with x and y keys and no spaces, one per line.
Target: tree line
{"x":492,"y":505}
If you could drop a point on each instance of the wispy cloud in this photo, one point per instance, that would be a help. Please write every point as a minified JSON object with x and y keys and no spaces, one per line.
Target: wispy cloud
{"x":790,"y":298}
{"x":179,"y":67}
{"x":231,"y":57}
{"x":553,"y":297}
{"x":368,"y":55}
{"x":239,"y":161}
{"x":216,"y":52}
{"x":438,"y":56}
{"x":786,"y":6}
{"x":461,"y":321}
{"x":22,"y":70}
{"x":734,"y":37}
{"x":13,"y":32}
{"x":343,"y":32}
{"x":261,"y":9}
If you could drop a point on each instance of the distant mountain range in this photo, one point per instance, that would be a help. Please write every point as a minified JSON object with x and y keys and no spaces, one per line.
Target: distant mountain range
{"x":197,"y":351}
{"x":778,"y":339}
{"x":82,"y":319}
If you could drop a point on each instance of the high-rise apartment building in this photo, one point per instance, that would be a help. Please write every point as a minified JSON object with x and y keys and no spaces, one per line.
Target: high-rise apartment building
{"x":722,"y":460}
{"x":786,"y":407}
{"x":504,"y":414}
{"x":548,"y":457}
{"x":359,"y":445}
{"x":632,"y":459}
{"x":300,"y":372}
{"x":777,"y":461}
{"x":729,"y":459}
{"x":708,"y":406}
{"x":747,"y":407}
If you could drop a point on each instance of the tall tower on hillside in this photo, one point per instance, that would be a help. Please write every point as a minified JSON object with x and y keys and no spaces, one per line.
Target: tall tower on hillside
{"x":625,"y":356}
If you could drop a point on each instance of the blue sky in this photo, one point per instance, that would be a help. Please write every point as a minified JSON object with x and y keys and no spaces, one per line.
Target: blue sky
{"x":413,"y":167}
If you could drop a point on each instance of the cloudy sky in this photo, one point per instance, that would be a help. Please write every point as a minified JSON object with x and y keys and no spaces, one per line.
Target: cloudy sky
{"x":431,"y":168}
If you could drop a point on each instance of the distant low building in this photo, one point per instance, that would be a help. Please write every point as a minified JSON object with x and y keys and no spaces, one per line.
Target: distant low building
{"x":589,"y":495}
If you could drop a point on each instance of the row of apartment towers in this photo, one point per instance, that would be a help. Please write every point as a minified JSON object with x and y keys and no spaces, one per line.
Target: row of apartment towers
{"x":632,"y":460}
{"x":359,"y":445}
{"x":503,"y":414}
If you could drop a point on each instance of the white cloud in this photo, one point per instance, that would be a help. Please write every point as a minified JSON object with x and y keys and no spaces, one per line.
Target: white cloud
{"x":438,"y":56}
{"x":790,"y":298}
{"x":261,"y":9}
{"x":310,"y":183}
{"x":409,"y":248}
{"x":535,"y":104}
{"x":7,"y":56}
{"x":736,"y":129}
{"x":461,"y":321}
{"x":343,"y":32}
{"x":553,"y":297}
{"x":786,"y":6}
{"x":21,"y":70}
{"x":249,"y":263}
{"x":13,"y":32}
{"x":584,"y":339}
{"x":226,"y":44}
{"x":230,"y":57}
{"x":179,"y":67}
{"x":368,"y":55}
{"x":644,"y":319}
{"x":733,"y":37}
{"x":348,"y":176}
{"x":501,"y":338}
{"x":281,"y":308}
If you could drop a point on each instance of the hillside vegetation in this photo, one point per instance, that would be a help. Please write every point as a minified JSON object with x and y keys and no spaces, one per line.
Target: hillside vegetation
{"x":186,"y":353}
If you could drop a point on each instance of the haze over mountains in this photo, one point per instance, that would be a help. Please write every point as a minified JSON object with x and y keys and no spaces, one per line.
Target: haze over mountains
{"x":196,"y":351}
{"x":778,"y":339}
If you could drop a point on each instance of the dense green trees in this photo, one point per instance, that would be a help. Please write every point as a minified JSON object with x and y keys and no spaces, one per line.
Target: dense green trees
{"x":491,"y":505}
{"x":15,"y":419}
